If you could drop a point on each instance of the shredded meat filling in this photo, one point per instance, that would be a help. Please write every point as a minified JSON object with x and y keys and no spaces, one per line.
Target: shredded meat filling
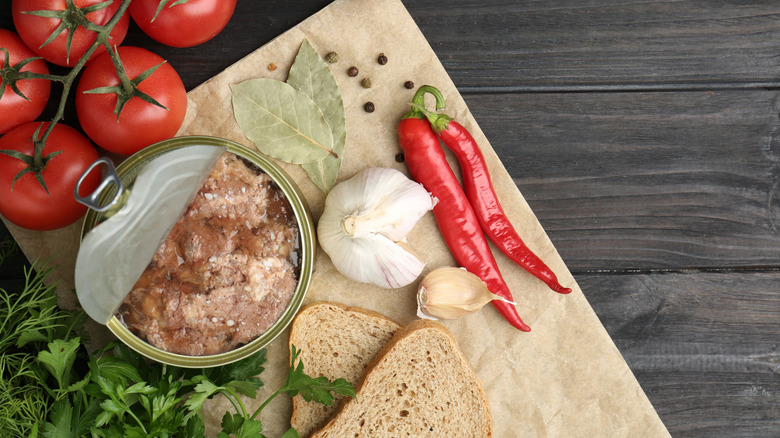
{"x":226,"y":272}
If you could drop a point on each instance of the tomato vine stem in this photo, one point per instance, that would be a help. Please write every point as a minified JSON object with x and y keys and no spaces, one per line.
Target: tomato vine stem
{"x":67,"y":80}
{"x":75,"y":17}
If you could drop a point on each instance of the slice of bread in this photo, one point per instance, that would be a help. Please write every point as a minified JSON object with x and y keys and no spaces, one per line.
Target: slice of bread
{"x":419,"y":384}
{"x":335,"y":341}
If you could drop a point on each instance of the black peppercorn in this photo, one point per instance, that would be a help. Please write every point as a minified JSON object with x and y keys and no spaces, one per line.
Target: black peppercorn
{"x":332,"y":57}
{"x":353,"y":71}
{"x":369,"y":107}
{"x":409,"y":85}
{"x":366,"y":83}
{"x":399,"y":158}
{"x":381,"y":59}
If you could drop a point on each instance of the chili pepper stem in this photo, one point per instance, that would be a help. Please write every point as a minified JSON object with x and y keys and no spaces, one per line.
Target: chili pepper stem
{"x":418,"y":102}
{"x":439,"y":122}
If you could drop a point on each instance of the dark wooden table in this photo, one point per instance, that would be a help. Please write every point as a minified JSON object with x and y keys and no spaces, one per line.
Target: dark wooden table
{"x":645,"y":136}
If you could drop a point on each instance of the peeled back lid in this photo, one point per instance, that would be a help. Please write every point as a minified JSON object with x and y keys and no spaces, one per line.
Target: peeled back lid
{"x":114,"y":254}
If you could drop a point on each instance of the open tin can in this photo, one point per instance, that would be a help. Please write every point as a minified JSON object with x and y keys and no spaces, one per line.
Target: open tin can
{"x":97,"y":273}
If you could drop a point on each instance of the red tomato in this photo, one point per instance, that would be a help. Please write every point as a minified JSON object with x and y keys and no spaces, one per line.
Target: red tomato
{"x":140,"y":123}
{"x":35,"y":30}
{"x":26,"y":203}
{"x":182,"y":25}
{"x":14,"y":108}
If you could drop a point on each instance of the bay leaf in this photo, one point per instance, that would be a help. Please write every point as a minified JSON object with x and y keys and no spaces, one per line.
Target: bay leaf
{"x":282,"y":121}
{"x":323,"y":173}
{"x":311,"y":75}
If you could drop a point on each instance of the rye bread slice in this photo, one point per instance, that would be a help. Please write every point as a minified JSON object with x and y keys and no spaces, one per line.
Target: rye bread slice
{"x":419,"y":384}
{"x":335,"y":341}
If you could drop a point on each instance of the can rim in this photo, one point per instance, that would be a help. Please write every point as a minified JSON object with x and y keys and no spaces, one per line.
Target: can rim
{"x":308,"y":249}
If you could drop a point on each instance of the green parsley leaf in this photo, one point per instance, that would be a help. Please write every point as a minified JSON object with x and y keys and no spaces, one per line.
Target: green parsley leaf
{"x":246,"y":387}
{"x":103,"y":419}
{"x":240,"y":376}
{"x":194,"y":428}
{"x":114,"y":369}
{"x":244,"y":369}
{"x":163,"y":403}
{"x":317,"y":389}
{"x":123,"y":354}
{"x":60,"y":421}
{"x":231,"y":423}
{"x":204,"y":389}
{"x":291,"y":433}
{"x":59,"y":359}
{"x":251,"y":429}
{"x":78,"y":386}
{"x":320,"y":389}
{"x":135,"y":432}
{"x":138,"y":388}
{"x":83,"y":421}
{"x":114,"y":407}
{"x":235,"y":425}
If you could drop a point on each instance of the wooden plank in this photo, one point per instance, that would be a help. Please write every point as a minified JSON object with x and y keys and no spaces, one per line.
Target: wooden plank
{"x":676,"y":180}
{"x":525,"y":45}
{"x":702,"y":346}
{"x":529,"y":45}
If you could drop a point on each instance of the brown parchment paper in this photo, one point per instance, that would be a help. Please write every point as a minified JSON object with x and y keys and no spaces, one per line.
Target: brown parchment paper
{"x":563,"y":379}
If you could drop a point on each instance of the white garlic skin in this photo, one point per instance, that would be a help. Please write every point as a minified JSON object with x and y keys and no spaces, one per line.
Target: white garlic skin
{"x":451,"y":293}
{"x":362,"y":222}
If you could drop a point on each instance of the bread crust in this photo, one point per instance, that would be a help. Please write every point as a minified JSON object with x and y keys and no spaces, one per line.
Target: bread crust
{"x":409,"y":330}
{"x":298,"y":331}
{"x":308,"y":308}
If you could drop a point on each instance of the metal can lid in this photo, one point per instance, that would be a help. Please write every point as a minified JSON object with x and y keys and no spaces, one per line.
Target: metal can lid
{"x":130,"y":237}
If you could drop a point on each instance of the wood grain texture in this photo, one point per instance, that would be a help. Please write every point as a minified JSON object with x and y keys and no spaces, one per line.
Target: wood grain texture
{"x":645,"y":136}
{"x":703,"y":346}
{"x":673,"y":180}
{"x":527,"y":45}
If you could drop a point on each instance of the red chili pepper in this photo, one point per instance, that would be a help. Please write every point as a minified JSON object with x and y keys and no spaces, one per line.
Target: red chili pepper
{"x":479,"y":190}
{"x":456,"y":219}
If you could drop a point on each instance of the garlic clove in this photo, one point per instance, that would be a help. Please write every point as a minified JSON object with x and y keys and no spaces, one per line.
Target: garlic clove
{"x":451,"y":293}
{"x":377,"y":260}
{"x":363,"y":219}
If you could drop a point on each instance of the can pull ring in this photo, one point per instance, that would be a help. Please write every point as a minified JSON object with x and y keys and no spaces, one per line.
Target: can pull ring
{"x":110,"y":178}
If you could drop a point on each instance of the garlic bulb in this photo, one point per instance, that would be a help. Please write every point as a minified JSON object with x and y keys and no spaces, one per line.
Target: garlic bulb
{"x":363,"y":220}
{"x":450,"y":293}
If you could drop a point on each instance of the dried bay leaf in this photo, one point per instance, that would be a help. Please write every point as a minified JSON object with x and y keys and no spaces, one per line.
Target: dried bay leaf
{"x":324,"y":173}
{"x":282,"y":121}
{"x":311,"y":75}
